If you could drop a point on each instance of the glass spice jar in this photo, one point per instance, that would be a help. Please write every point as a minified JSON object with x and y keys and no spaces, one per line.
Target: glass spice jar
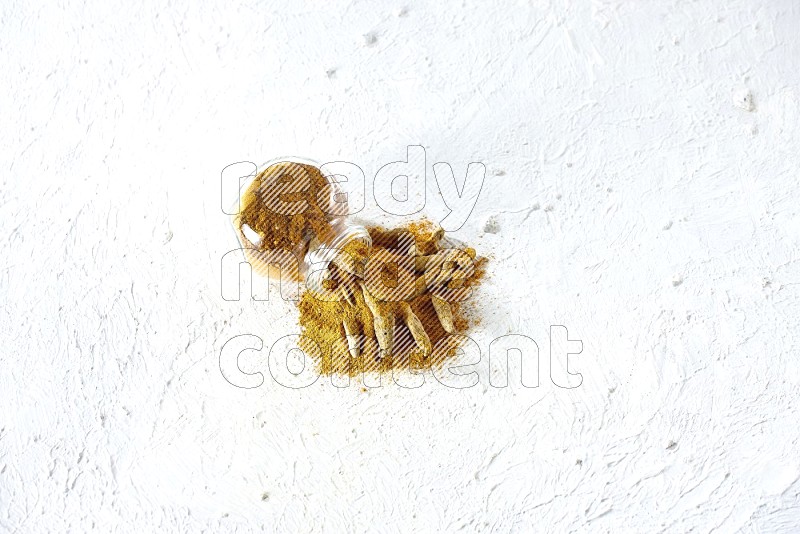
{"x":314,"y":253}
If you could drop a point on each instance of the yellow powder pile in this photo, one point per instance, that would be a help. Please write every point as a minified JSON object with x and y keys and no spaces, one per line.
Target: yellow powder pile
{"x":322,"y":322}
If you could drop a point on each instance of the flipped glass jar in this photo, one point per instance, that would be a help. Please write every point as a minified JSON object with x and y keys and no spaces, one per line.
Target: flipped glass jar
{"x":314,"y":251}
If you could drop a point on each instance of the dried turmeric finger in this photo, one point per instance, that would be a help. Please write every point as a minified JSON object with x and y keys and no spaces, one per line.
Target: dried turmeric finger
{"x":383,"y":321}
{"x":351,"y":333}
{"x":444,"y":312}
{"x":415,"y":327}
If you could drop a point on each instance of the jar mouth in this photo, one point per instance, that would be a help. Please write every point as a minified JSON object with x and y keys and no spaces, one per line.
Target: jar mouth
{"x":326,"y":253}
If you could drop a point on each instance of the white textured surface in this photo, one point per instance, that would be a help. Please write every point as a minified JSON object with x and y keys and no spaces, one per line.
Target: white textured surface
{"x":642,"y":190}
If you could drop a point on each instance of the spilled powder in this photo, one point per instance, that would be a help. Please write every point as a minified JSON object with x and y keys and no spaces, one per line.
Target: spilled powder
{"x":322,"y":322}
